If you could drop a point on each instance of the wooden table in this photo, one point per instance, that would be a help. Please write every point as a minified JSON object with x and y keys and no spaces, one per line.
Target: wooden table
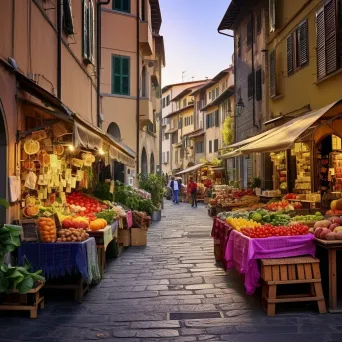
{"x":332,"y":247}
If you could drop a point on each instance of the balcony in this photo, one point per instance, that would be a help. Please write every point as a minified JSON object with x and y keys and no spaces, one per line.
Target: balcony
{"x":145,"y":39}
{"x":146,"y":112}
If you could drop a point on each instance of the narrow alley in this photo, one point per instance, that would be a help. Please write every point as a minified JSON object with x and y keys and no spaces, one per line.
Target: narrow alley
{"x":171,"y":290}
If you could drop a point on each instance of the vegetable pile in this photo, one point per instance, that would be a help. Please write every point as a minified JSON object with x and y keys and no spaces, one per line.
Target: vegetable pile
{"x":269,"y":230}
{"x":308,"y":219}
{"x":238,"y":223}
{"x":72,"y":235}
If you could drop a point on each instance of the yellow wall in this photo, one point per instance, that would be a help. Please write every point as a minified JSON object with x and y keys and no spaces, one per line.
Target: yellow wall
{"x":301,"y":88}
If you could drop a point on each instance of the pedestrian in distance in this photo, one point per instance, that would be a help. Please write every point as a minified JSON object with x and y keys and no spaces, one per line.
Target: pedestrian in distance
{"x":192,"y":190}
{"x":174,"y":185}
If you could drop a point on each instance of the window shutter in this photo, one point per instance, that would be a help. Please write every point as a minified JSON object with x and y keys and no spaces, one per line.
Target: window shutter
{"x":250,"y":85}
{"x":272,"y":14}
{"x":91,"y":33}
{"x":210,"y":146}
{"x":339,"y":6}
{"x":215,"y":145}
{"x":320,"y":29}
{"x":258,"y":85}
{"x":330,"y":36}
{"x":273,"y":88}
{"x":68,"y":23}
{"x":125,"y":75}
{"x":303,"y":43}
{"x":217,"y":118}
{"x":289,"y":53}
{"x":85,"y":31}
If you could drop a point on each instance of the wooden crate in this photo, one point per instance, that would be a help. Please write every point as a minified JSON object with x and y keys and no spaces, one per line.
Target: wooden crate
{"x":14,"y":301}
{"x":138,"y":236}
{"x":291,"y":271}
{"x":124,"y":237}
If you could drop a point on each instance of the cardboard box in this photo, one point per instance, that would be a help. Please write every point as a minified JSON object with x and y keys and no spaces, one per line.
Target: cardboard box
{"x":206,"y":200}
{"x":124,"y":237}
{"x":138,"y":236}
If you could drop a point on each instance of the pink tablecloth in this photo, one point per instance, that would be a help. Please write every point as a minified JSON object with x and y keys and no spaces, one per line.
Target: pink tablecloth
{"x":243,"y":252}
{"x":221,"y":231}
{"x":129,"y":218}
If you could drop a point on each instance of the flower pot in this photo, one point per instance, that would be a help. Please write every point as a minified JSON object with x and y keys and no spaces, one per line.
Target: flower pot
{"x":156,"y":215}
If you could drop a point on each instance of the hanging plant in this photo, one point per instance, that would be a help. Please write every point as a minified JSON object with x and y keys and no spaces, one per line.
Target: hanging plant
{"x":227,"y":132}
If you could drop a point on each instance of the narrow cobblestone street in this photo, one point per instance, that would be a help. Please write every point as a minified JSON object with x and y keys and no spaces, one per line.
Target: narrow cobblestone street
{"x":172,"y":290}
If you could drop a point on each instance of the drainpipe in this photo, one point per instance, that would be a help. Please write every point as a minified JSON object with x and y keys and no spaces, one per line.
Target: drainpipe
{"x":59,"y":49}
{"x":137,"y":115}
{"x":160,"y":124}
{"x":98,"y":59}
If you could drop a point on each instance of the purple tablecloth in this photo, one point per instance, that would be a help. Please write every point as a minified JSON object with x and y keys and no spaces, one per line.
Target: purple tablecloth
{"x":243,"y":252}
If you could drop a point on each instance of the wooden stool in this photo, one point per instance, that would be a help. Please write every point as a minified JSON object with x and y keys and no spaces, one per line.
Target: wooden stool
{"x":299,"y":270}
{"x":20,"y":302}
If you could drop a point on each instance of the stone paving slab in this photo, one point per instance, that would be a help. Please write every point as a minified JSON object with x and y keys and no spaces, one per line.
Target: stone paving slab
{"x":174,"y":276}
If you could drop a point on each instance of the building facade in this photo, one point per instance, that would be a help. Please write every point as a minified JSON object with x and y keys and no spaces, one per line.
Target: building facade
{"x":169,"y":92}
{"x":131,"y":66}
{"x":249,"y":22}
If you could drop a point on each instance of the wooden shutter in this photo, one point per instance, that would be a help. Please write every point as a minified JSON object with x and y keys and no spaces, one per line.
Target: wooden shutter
{"x":320,"y":32}
{"x":258,"y":85}
{"x":215,"y":145}
{"x":207,"y":120}
{"x":91,"y":31}
{"x":116,"y":75}
{"x":85,"y":39}
{"x":68,"y":23}
{"x":272,"y":15}
{"x":210,"y":146}
{"x":125,"y":75}
{"x":303,"y":40}
{"x":273,"y":87}
{"x":339,"y":6}
{"x":126,"y":6}
{"x":330,"y":36}
{"x":289,"y":53}
{"x":217,"y":118}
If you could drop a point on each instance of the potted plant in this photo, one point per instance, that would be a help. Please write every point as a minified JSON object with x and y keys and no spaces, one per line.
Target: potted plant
{"x":154,"y":184}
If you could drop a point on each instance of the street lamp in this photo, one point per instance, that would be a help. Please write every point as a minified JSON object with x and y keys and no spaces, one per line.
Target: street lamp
{"x":240,"y":106}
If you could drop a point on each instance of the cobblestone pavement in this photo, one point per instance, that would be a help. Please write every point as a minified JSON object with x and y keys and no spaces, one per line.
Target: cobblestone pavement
{"x":172,"y":290}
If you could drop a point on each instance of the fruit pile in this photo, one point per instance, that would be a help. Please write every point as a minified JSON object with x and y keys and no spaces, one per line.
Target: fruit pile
{"x":84,"y":206}
{"x":238,"y":223}
{"x":76,"y":222}
{"x":283,"y":205}
{"x":72,"y":235}
{"x":269,"y":230}
{"x":328,"y":229}
{"x":47,"y":229}
{"x":290,"y":196}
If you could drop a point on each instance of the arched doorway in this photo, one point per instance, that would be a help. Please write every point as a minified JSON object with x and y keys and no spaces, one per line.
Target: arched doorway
{"x":152,"y":163}
{"x":3,"y":162}
{"x":114,"y":130}
{"x":118,"y":168}
{"x":144,"y":169}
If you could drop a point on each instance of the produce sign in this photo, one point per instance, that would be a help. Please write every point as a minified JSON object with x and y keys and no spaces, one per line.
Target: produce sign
{"x":238,"y":223}
{"x":328,"y":229}
{"x":269,"y":230}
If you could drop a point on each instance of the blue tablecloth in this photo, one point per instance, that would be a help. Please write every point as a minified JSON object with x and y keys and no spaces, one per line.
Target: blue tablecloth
{"x":59,"y":259}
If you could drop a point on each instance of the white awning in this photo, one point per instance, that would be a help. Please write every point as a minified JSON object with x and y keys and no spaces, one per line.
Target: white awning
{"x":231,"y":154}
{"x":190,"y":169}
{"x":283,"y":137}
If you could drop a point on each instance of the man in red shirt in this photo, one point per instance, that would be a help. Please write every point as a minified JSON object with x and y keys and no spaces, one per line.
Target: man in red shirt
{"x":192,"y":189}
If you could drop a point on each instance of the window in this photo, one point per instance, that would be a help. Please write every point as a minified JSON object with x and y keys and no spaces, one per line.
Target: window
{"x":88,"y":38}
{"x":198,"y":106}
{"x":180,"y":123}
{"x":209,"y":95}
{"x":120,"y":75}
{"x":167,"y":156}
{"x":273,"y":85}
{"x":258,"y":22}
{"x":249,"y":33}
{"x":163,"y":102}
{"x":229,"y":105}
{"x":258,"y":85}
{"x":143,"y":14}
{"x":210,"y":120}
{"x":272,"y":15}
{"x":163,"y":134}
{"x":216,"y":145}
{"x":329,"y":40}
{"x":184,"y":103}
{"x":68,"y":23}
{"x":176,"y":156}
{"x":250,"y":85}
{"x":191,"y":120}
{"x":122,"y":5}
{"x":217,"y":118}
{"x":297,"y":48}
{"x":168,"y":100}
{"x":217,"y":91}
{"x":210,"y":146}
{"x":144,"y":82}
{"x":200,"y":147}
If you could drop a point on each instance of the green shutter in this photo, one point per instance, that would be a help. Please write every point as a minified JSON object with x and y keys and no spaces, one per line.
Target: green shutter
{"x":120,"y":75}
{"x":122,"y":5}
{"x":125,"y":75}
{"x":91,"y":31}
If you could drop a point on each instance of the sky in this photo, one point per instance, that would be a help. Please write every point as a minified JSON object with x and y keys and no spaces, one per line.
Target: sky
{"x":191,"y":40}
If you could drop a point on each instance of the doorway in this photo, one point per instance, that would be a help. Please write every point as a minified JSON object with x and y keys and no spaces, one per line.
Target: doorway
{"x":3,"y":161}
{"x":144,"y":169}
{"x":119,"y":171}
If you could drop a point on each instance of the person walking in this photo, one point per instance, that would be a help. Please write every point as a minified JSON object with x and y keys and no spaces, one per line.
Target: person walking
{"x":174,"y":185}
{"x":192,"y":189}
